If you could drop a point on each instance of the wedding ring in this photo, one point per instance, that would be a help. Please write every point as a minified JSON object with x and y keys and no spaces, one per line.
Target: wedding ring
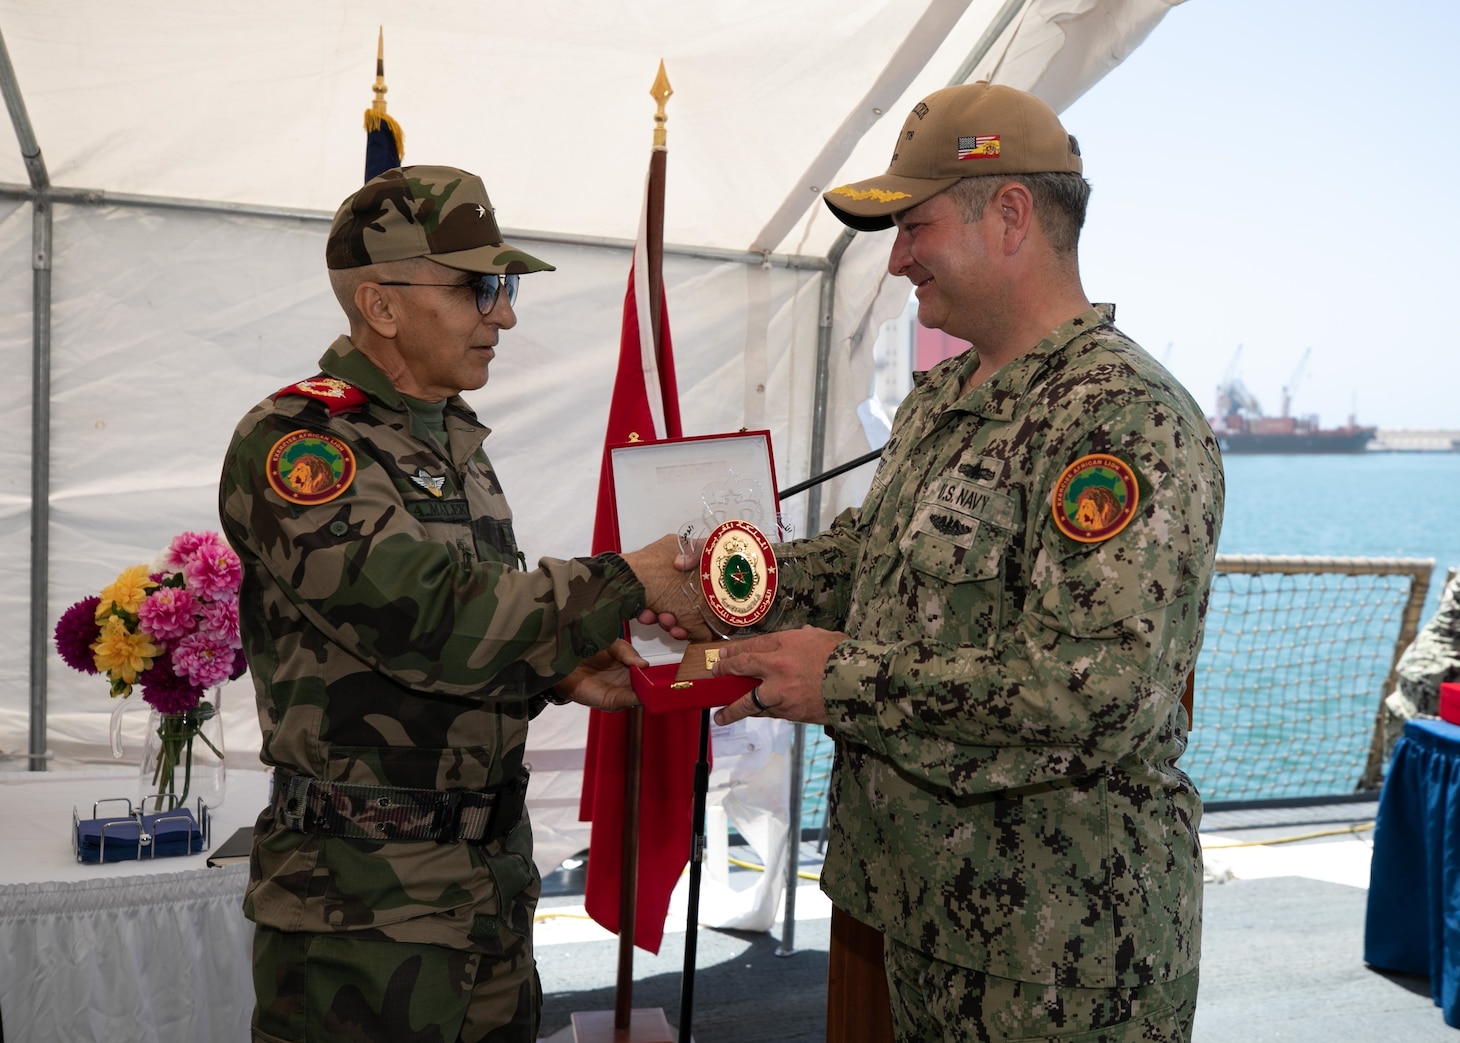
{"x":755,"y":698}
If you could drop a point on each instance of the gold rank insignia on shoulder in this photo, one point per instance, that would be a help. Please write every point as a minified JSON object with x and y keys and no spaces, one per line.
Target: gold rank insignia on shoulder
{"x":430,"y":484}
{"x":1095,"y":498}
{"x":339,"y":395}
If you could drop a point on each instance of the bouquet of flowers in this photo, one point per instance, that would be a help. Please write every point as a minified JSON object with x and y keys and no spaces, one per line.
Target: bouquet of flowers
{"x":171,"y":628}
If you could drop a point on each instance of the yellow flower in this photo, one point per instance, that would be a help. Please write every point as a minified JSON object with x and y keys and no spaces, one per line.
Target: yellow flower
{"x":122,"y":654}
{"x":126,"y":593}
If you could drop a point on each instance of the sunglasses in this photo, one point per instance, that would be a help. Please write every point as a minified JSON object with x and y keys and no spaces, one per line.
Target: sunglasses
{"x":486,"y":287}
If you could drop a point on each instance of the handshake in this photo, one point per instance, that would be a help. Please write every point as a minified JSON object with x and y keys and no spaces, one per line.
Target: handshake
{"x":668,"y":599}
{"x":602,"y":682}
{"x":788,"y":663}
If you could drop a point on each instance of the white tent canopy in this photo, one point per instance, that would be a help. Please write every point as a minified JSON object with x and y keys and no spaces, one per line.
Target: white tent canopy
{"x":161,"y":257}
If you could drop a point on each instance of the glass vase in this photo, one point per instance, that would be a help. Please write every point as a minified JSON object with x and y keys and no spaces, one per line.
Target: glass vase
{"x":182,"y":758}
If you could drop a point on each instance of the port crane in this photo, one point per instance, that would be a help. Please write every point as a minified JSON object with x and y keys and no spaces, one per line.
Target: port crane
{"x":1232,"y":394}
{"x":1291,"y":387}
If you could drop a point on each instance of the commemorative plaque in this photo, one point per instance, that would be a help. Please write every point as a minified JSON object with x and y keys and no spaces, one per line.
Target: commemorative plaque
{"x":718,"y":493}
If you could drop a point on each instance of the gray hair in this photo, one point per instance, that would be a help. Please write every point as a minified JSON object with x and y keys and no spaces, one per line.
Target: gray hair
{"x":1060,"y":199}
{"x":344,"y":281}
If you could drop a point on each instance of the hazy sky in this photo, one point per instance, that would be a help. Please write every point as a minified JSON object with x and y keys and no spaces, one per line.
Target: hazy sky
{"x":1280,"y":174}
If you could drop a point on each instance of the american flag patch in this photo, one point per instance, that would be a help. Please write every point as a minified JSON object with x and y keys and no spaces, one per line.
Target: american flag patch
{"x":985,"y":146}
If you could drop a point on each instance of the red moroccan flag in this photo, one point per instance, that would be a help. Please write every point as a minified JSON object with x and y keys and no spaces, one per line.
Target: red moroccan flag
{"x":645,"y":407}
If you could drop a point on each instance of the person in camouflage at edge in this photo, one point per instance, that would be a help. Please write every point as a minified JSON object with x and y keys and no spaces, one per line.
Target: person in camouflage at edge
{"x":1432,"y":658}
{"x":998,"y":639}
{"x":399,"y":646}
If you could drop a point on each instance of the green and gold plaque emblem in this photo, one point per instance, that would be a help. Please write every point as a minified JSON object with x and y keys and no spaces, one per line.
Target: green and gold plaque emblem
{"x":738,"y":573}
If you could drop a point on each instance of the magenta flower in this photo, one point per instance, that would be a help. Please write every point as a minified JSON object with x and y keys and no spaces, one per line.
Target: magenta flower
{"x":186,"y":545}
{"x":220,"y":618}
{"x":165,"y":691}
{"x":168,"y":613}
{"x":174,"y":632}
{"x":214,"y":572}
{"x":75,"y":631}
{"x":203,"y":658}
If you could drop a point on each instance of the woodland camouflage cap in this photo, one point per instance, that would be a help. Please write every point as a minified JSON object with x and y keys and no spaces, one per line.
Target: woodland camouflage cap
{"x":958,"y":132}
{"x":421,"y":211}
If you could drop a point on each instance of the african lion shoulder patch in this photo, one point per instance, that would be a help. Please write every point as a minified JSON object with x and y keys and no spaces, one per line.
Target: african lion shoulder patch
{"x":1095,"y":498}
{"x":310,"y":467}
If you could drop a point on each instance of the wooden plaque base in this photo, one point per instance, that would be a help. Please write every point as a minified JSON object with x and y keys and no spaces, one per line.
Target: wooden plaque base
{"x":646,"y":1025}
{"x":858,"y":1008}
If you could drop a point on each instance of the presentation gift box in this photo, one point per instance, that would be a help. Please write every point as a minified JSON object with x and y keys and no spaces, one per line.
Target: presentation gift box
{"x":694,"y":487}
{"x":1450,"y":702}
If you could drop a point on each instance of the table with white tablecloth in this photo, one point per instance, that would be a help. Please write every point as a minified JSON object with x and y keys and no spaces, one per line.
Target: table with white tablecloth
{"x":151,"y":950}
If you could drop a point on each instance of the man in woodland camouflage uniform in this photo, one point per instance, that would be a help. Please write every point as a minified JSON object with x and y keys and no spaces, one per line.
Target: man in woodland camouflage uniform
{"x":399,"y":646}
{"x":1432,"y":658}
{"x":1010,"y":618}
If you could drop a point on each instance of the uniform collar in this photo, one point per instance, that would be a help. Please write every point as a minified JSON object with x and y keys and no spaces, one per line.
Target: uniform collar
{"x":998,"y":396}
{"x":350,"y":364}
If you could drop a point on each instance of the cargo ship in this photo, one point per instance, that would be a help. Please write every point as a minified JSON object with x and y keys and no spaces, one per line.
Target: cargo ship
{"x":1241,"y":427}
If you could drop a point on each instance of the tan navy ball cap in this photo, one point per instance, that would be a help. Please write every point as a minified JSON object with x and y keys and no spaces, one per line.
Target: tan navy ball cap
{"x":422,"y":211}
{"x":958,"y":132}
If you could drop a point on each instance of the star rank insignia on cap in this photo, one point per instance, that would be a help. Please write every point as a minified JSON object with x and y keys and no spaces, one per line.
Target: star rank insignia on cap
{"x":427,"y":482}
{"x":1095,"y":498}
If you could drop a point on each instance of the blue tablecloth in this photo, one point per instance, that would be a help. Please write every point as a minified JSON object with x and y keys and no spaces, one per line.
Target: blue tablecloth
{"x":1413,"y":922}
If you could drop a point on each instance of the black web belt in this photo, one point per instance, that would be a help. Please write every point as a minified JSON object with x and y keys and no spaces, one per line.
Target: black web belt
{"x":341,"y":809}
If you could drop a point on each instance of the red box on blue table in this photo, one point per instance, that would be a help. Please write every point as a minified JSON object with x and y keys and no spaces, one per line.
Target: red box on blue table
{"x":714,"y":491}
{"x":1450,"y":702}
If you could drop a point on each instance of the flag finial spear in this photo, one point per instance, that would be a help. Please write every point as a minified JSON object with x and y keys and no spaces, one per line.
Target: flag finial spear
{"x":385,"y":142}
{"x":660,"y":92}
{"x":379,"y":104}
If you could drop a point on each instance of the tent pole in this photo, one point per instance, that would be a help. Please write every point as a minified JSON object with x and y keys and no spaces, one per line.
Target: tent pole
{"x":813,"y":526}
{"x":40,"y":479}
{"x":40,"y":424}
{"x":97,"y":197}
{"x":823,"y":366}
{"x":991,"y":33}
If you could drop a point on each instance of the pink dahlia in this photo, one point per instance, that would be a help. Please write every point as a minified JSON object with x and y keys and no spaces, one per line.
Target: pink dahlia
{"x":240,"y":665}
{"x":220,"y":618}
{"x":186,"y":545}
{"x":205,"y":660}
{"x":75,"y":632}
{"x":213,"y":572}
{"x":168,"y":613}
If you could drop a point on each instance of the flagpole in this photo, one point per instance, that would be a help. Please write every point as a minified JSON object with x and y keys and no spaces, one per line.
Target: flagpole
{"x":654,"y":237}
{"x":623,"y":1002}
{"x":385,"y":142}
{"x":645,"y":406}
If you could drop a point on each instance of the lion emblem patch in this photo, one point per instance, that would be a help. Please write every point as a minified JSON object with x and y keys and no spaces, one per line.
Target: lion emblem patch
{"x":1095,"y":498}
{"x":308,"y":468}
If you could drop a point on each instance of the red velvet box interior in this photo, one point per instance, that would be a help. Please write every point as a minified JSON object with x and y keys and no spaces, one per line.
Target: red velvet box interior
{"x":655,"y":687}
{"x":655,"y":510}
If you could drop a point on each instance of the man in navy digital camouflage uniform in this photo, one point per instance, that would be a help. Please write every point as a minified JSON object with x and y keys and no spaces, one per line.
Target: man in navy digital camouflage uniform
{"x":998,"y":639}
{"x":399,"y":645}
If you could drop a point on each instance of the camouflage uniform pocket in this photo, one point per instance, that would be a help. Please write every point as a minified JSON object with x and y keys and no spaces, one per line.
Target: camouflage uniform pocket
{"x":956,"y":583}
{"x":960,"y":531}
